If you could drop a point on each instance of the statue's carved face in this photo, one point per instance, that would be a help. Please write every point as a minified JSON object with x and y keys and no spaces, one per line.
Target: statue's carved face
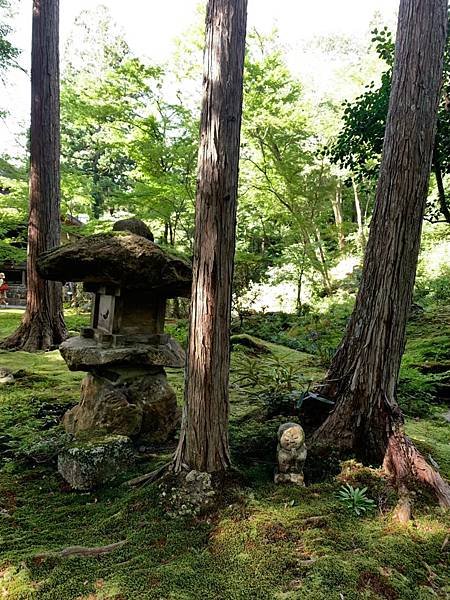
{"x":292,"y":438}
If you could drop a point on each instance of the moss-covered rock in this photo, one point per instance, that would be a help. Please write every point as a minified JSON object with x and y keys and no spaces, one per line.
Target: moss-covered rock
{"x":135,"y":226}
{"x":88,"y":465}
{"x":6,"y":376}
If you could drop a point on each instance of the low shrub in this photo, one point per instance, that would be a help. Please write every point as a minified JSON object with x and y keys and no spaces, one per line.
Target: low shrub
{"x":355,"y":499}
{"x":179,"y":330}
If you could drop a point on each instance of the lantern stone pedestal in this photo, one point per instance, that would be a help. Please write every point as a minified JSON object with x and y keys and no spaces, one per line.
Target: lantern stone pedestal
{"x":125,"y":349}
{"x":126,"y":390}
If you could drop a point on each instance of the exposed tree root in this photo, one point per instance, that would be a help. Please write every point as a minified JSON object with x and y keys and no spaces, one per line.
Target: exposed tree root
{"x":405,"y":464}
{"x":403,"y":510}
{"x":81,"y":551}
{"x":149,"y":477}
{"x":380,"y":438}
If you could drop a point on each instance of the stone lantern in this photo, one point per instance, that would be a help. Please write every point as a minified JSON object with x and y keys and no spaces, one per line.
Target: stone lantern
{"x":125,"y":349}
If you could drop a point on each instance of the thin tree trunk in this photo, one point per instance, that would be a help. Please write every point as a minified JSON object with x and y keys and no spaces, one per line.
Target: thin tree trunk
{"x":322,"y":262}
{"x":43,"y":324}
{"x":359,"y":218}
{"x":204,"y":432}
{"x":363,"y":375}
{"x":97,"y":196}
{"x":441,"y":191}
{"x":338,"y":219}
{"x":300,"y":284}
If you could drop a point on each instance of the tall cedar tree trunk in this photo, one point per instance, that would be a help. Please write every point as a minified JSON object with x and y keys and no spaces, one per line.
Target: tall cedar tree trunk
{"x":43,"y":325}
{"x":204,"y":431}
{"x":363,"y":375}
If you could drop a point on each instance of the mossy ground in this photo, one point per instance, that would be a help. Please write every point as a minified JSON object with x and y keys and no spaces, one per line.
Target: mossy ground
{"x":263,"y":544}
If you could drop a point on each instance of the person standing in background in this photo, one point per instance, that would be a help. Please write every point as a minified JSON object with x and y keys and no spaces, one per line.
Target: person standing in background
{"x":3,"y":287}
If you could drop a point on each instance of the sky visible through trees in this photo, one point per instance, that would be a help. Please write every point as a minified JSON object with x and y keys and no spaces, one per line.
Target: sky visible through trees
{"x":150,"y":30}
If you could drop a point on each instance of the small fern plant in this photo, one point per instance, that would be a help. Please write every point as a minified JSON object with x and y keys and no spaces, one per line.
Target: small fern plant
{"x":355,"y":499}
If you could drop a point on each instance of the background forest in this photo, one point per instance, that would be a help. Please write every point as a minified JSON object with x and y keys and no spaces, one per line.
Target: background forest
{"x":309,"y":165}
{"x":308,"y":162}
{"x":129,"y":146}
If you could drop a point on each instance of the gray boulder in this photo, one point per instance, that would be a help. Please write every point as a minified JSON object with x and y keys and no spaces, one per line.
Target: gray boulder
{"x":133,"y":403}
{"x":91,"y":464}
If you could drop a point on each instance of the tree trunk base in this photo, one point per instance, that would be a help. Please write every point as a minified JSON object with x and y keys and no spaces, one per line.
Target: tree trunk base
{"x":400,"y":459}
{"x":407,"y":467}
{"x":377,"y":437}
{"x":36,"y":333}
{"x":187,"y":492}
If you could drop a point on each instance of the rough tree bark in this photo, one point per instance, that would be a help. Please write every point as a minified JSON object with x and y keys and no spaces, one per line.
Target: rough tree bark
{"x":204,"y":432}
{"x":43,"y":324}
{"x":363,"y":375}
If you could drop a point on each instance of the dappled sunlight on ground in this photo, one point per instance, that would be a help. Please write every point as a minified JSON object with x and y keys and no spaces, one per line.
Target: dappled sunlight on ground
{"x":265,"y":542}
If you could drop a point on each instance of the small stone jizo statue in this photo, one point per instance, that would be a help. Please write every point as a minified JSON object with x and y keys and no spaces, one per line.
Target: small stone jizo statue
{"x":291,"y":454}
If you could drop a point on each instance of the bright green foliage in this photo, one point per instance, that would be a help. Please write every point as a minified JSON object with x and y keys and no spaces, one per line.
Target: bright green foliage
{"x":164,"y":150}
{"x":94,"y":136}
{"x":355,"y":499}
{"x":359,"y":144}
{"x":94,"y":166}
{"x":13,"y":239}
{"x":126,"y":147}
{"x":8,"y":53}
{"x":130,"y":142}
{"x":280,"y":172}
{"x":13,"y":211}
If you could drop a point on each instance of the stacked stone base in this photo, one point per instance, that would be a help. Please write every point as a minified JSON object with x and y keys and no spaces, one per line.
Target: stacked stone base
{"x":131,"y":402}
{"x":126,"y":395}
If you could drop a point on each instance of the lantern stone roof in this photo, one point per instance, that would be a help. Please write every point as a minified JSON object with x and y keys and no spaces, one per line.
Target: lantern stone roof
{"x":119,"y":259}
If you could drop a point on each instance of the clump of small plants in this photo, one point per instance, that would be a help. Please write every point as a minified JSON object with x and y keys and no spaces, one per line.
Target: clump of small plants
{"x":355,"y":499}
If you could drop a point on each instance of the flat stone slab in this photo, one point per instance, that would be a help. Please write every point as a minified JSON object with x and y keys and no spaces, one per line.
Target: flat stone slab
{"x":119,"y":259}
{"x":84,"y":354}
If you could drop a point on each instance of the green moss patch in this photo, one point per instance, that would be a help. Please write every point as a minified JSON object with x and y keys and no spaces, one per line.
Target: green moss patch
{"x":267,"y":543}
